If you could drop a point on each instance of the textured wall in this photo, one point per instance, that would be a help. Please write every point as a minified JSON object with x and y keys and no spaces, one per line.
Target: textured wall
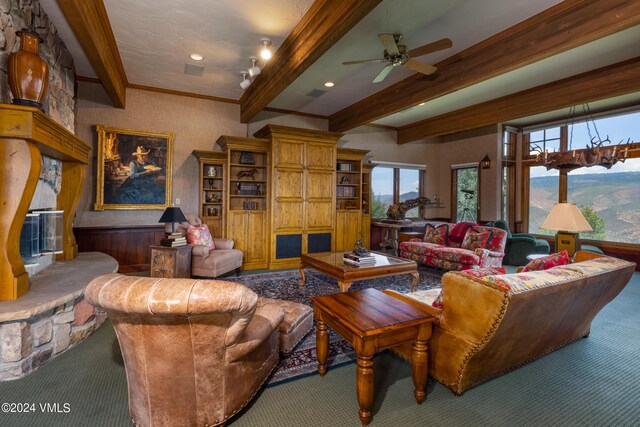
{"x":17,"y":14}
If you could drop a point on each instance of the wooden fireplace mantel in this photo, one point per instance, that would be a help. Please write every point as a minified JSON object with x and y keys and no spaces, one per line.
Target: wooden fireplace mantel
{"x":25,"y":134}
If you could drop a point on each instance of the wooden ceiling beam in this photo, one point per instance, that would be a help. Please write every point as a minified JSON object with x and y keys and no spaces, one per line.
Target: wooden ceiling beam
{"x":565,"y":26}
{"x":89,"y":21}
{"x":321,"y":27}
{"x":603,"y":83}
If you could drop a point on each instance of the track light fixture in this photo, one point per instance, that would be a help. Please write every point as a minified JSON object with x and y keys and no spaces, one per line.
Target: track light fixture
{"x":265,"y":53}
{"x":254,"y":70}
{"x":245,"y":83}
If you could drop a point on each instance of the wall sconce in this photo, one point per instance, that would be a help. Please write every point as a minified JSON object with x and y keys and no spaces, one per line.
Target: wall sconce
{"x":254,"y":70}
{"x":485,"y":163}
{"x":245,"y":83}
{"x":265,"y":53}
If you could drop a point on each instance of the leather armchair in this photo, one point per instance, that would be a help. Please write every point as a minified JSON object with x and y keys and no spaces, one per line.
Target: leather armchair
{"x":195,"y":351}
{"x":519,"y":245}
{"x":207,"y":262}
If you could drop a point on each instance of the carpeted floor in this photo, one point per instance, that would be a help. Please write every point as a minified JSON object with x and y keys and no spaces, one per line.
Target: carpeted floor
{"x":592,"y":382}
{"x":284,"y":285}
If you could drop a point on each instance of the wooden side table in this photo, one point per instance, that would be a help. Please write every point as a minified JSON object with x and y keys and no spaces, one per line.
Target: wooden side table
{"x":171,"y":262}
{"x":405,"y":236}
{"x":372,"y":321}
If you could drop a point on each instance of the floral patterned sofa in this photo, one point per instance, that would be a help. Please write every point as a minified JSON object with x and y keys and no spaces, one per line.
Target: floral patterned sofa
{"x":450,"y":255}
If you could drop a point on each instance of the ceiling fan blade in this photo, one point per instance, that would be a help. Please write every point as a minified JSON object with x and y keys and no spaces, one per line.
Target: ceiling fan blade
{"x":431,"y":47}
{"x":389,"y":43}
{"x":420,"y":67}
{"x":383,"y":74}
{"x":364,"y":61}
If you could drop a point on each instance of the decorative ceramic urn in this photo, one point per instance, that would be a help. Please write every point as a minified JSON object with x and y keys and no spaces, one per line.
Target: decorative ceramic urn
{"x":28,"y":73}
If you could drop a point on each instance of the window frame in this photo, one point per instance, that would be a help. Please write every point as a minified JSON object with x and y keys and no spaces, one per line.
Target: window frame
{"x":396,"y":181}
{"x":454,"y":184}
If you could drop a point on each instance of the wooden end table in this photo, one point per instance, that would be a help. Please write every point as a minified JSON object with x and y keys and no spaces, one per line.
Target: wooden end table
{"x":332,"y":264}
{"x":171,"y":262}
{"x":372,"y":321}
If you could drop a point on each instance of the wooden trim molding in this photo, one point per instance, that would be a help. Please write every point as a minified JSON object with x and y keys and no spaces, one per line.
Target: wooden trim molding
{"x":90,"y":23}
{"x":606,"y":82}
{"x":321,"y":27}
{"x":565,"y":26}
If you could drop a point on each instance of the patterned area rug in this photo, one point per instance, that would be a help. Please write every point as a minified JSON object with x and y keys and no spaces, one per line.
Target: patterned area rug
{"x":284,"y":285}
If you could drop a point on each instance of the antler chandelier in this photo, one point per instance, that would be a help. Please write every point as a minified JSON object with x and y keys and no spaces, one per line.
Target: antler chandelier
{"x":598,"y":152}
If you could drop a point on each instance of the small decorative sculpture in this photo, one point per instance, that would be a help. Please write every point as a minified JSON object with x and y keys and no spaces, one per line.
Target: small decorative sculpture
{"x":344,"y":180}
{"x":359,"y":248}
{"x":397,"y":212}
{"x":249,"y":173}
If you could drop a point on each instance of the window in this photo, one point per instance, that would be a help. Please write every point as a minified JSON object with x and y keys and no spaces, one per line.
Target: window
{"x":410,"y":189}
{"x":543,"y":194}
{"x":466,"y":193}
{"x":391,"y":184}
{"x":609,"y":200}
{"x":382,"y":191}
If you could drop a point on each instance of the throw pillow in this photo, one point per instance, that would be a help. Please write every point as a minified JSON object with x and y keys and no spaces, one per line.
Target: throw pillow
{"x":547,"y":262}
{"x":474,"y":239}
{"x":479,"y":273}
{"x":457,"y":233}
{"x":437,"y":234}
{"x":199,"y":235}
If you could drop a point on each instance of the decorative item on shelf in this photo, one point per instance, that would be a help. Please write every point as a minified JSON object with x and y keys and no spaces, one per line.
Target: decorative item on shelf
{"x":350,"y":204}
{"x":249,"y":173}
{"x":396,"y":213}
{"x":258,"y":190}
{"x":249,"y":206}
{"x":28,"y":73}
{"x":212,"y":211}
{"x":209,"y":197}
{"x":485,"y":163}
{"x":211,"y":171}
{"x":344,"y":180}
{"x":567,"y":220}
{"x":211,"y":183}
{"x":237,"y":188}
{"x":598,"y":152}
{"x":246,"y":158}
{"x":171,"y":215}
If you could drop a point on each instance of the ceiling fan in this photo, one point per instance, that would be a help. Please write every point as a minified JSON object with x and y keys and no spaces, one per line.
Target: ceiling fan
{"x":397,"y":54}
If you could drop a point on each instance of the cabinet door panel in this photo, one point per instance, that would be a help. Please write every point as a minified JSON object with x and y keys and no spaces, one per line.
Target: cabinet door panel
{"x":256,"y":237}
{"x":320,"y":185}
{"x":238,"y":229}
{"x":321,"y":156}
{"x":288,"y":183}
{"x":289,"y":153}
{"x":320,"y":215}
{"x":347,"y":229}
{"x":288,"y":215}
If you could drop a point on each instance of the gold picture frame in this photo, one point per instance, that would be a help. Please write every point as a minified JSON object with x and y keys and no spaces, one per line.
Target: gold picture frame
{"x":133,"y":169}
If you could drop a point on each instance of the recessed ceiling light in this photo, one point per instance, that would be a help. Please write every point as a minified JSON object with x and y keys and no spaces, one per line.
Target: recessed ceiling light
{"x":329,"y":84}
{"x":421,"y":104}
{"x":196,"y":57}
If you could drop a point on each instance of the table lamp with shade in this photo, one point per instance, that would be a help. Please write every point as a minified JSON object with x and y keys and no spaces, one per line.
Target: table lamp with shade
{"x":171,"y":215}
{"x":567,"y":220}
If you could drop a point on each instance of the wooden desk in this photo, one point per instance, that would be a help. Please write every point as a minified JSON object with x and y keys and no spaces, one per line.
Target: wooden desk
{"x":171,"y":262}
{"x":372,"y":321}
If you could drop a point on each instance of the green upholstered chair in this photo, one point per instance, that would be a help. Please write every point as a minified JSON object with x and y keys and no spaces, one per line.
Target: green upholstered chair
{"x":520,"y":245}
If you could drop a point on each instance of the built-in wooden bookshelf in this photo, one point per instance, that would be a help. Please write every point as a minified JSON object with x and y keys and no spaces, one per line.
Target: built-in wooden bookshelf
{"x":212,"y":201}
{"x":349,"y":187}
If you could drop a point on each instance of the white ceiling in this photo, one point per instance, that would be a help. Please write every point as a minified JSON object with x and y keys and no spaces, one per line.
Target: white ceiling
{"x":156,"y":37}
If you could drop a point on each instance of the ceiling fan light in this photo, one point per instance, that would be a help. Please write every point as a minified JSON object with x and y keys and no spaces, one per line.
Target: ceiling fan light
{"x":265,"y":53}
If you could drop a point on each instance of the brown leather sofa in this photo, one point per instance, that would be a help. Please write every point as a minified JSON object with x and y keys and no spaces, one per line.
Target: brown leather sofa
{"x":195,"y":351}
{"x":485,"y":330}
{"x":207,"y":262}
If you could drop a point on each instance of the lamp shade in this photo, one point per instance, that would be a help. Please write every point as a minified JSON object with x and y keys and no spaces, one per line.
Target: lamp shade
{"x":566,"y":217}
{"x":172,"y":214}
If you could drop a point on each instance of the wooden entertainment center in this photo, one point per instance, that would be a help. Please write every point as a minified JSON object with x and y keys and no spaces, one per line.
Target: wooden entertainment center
{"x":284,"y":193}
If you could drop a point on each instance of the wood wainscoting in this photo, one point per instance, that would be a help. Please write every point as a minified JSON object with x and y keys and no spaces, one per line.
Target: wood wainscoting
{"x":129,"y":245}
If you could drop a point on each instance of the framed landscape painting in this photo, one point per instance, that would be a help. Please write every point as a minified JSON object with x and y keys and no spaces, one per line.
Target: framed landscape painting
{"x":133,"y":169}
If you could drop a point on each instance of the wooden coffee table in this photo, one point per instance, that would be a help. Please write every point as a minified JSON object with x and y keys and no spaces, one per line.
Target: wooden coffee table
{"x":333,"y":265}
{"x":372,"y":321}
